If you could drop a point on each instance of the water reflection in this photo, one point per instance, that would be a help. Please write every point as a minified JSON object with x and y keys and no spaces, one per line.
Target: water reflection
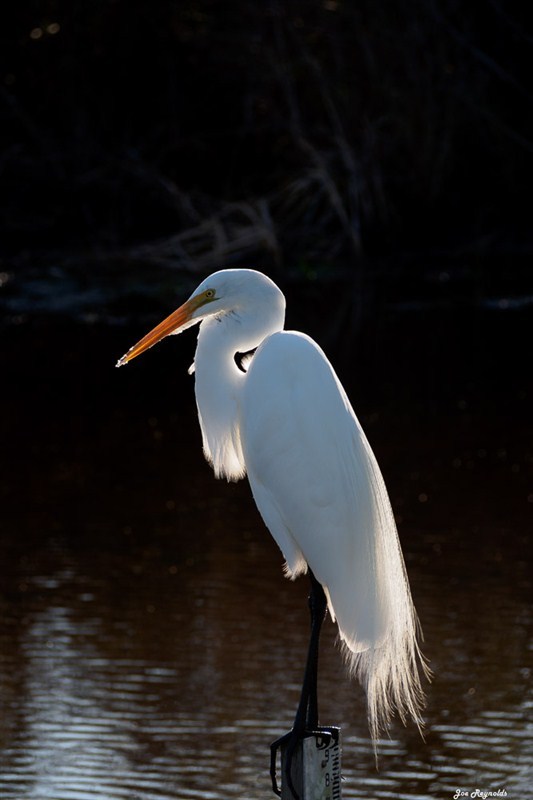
{"x":151,"y":648}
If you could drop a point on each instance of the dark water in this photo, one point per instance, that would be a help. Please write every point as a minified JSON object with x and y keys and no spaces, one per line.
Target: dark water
{"x":150,"y":647}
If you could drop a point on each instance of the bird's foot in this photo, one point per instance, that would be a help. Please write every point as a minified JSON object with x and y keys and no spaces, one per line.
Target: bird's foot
{"x":287,"y":745}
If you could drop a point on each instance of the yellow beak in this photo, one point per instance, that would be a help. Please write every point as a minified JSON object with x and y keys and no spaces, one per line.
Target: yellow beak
{"x":179,"y":318}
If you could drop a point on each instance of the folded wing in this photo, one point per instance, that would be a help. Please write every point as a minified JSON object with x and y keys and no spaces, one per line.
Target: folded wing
{"x":320,"y":492}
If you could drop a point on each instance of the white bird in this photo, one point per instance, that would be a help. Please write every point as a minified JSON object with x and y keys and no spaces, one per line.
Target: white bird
{"x":284,"y":419}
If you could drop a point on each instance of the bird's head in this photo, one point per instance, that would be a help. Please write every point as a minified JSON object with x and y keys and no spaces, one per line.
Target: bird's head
{"x":223,"y":292}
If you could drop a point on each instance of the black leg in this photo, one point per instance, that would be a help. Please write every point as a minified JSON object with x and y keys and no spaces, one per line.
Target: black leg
{"x":306,"y":720}
{"x":307,"y":713}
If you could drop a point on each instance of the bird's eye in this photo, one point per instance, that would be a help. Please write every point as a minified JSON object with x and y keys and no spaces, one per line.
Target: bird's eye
{"x":209,"y":294}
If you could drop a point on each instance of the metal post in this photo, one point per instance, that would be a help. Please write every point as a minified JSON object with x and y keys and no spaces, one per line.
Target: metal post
{"x":316,"y":766}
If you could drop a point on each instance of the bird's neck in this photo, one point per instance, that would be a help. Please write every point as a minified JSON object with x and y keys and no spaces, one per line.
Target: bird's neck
{"x":219,"y":381}
{"x":218,"y":386}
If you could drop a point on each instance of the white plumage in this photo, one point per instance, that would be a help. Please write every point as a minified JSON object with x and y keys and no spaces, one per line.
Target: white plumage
{"x":327,"y":507}
{"x":289,"y":425}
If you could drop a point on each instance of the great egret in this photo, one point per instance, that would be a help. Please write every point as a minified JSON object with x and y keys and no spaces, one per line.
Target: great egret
{"x":283,"y":418}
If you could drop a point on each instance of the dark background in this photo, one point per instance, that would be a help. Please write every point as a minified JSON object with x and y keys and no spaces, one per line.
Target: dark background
{"x":374,"y":159}
{"x":390,"y":145}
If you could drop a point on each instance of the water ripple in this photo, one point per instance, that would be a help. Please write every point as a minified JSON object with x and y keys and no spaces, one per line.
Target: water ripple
{"x":157,"y":684}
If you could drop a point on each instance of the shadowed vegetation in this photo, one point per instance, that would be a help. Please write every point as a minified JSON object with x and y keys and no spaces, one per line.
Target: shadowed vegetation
{"x":307,"y":137}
